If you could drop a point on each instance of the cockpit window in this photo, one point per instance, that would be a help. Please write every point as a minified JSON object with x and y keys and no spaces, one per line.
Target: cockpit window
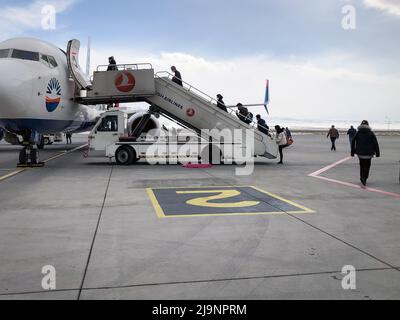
{"x":4,"y":53}
{"x":44,"y":60}
{"x":25,"y":55}
{"x":53,"y":62}
{"x":47,"y":60}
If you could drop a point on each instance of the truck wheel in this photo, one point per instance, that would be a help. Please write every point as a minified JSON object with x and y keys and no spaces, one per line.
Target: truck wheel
{"x":23,"y":159}
{"x":125,"y":156}
{"x":46,"y":141}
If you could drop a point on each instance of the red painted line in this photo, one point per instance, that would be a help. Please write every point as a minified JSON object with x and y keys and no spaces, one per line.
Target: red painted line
{"x":348,"y":184}
{"x":316,"y":174}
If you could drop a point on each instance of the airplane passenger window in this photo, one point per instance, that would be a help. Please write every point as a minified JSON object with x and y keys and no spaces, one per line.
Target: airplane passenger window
{"x":108,"y":124}
{"x":52,"y":61}
{"x":25,"y":55}
{"x":4,"y":53}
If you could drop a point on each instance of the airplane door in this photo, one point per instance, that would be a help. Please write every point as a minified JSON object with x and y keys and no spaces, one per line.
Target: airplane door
{"x":81,"y":79}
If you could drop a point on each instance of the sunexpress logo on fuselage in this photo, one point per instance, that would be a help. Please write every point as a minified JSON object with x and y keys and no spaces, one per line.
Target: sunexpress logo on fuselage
{"x":53,"y":95}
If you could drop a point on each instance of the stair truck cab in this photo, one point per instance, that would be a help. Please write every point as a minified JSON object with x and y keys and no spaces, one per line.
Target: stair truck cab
{"x":128,"y":137}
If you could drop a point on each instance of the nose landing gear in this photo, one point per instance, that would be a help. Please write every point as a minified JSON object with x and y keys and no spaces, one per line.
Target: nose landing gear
{"x":29,"y":155}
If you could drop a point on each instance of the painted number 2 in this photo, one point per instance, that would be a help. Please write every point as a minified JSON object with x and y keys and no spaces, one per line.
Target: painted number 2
{"x":220,"y":194}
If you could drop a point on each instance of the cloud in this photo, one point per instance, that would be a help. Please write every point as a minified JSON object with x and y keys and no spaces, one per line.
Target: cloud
{"x":18,"y":19}
{"x":389,"y":6}
{"x":333,"y":86}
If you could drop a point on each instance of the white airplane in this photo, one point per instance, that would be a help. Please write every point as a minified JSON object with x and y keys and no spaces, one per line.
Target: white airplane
{"x":37,"y":95}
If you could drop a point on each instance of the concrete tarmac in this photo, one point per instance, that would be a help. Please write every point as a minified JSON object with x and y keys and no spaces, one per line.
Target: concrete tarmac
{"x":96,"y":224}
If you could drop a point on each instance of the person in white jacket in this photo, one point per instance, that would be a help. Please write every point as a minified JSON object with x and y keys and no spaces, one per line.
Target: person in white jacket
{"x":281,"y":140}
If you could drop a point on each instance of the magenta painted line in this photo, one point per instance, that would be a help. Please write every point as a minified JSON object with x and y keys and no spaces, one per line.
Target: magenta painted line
{"x":316,"y":174}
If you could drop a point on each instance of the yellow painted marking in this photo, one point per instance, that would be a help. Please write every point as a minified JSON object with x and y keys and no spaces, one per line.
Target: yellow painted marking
{"x":203,"y":187}
{"x":156,"y":205}
{"x":55,"y":157}
{"x":277,"y":213}
{"x":222,"y":194}
{"x":11,"y":174}
{"x":160,"y":213}
{"x":306,"y":210}
{"x":47,"y":160}
{"x":65,"y":153}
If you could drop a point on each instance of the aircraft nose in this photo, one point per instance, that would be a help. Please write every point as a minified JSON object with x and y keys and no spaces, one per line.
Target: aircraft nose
{"x":16,"y":86}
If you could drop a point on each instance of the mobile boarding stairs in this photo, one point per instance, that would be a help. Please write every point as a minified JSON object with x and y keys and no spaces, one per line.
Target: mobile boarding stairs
{"x":185,"y":104}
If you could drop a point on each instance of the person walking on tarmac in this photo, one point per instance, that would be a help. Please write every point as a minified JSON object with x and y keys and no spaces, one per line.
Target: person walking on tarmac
{"x":68,"y":137}
{"x":351,"y":133}
{"x":281,"y":140}
{"x":334,"y":134}
{"x":262,"y":125}
{"x":221,"y":103}
{"x":177,"y":76}
{"x":112,"y":64}
{"x":365,"y":146}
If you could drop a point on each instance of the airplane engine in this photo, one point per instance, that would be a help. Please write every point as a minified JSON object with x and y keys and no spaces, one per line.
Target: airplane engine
{"x":152,"y":128}
{"x":11,"y":138}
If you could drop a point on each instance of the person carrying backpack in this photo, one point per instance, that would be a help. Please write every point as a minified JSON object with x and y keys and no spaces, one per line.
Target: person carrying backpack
{"x":281,"y":140}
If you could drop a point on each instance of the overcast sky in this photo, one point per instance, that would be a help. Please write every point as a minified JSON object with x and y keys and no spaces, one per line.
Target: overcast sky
{"x":317,"y":69}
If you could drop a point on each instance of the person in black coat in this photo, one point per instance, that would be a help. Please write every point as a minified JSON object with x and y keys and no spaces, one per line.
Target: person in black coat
{"x":262,"y":125}
{"x":112,"y":64}
{"x":351,"y":133}
{"x":178,"y":77}
{"x":221,"y":103}
{"x":365,"y":146}
{"x":242,"y":112}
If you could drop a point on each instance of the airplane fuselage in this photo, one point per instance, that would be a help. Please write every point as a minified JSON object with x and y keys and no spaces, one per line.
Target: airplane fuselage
{"x":36,"y":91}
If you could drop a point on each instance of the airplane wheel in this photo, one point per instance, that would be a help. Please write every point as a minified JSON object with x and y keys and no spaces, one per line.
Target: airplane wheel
{"x":34,"y":156}
{"x":23,"y":157}
{"x":125,"y":156}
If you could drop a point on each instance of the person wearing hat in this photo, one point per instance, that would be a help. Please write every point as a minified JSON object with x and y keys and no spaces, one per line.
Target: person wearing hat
{"x":365,"y":146}
{"x":112,"y":64}
{"x":221,"y":103}
{"x":177,"y":76}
